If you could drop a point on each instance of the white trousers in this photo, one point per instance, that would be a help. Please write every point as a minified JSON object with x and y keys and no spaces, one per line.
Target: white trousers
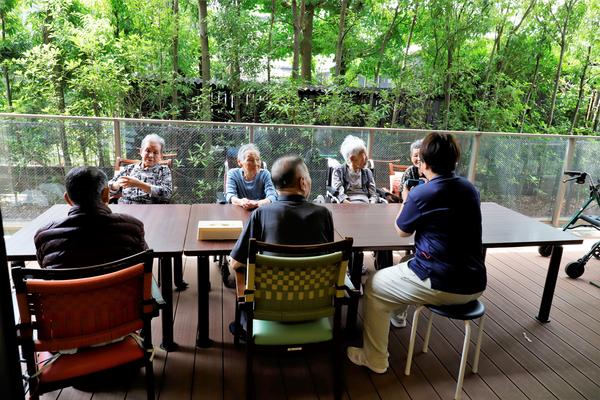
{"x":392,"y":290}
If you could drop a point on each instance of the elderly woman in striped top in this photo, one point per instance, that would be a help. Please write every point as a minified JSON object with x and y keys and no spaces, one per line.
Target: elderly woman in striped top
{"x":148,"y":181}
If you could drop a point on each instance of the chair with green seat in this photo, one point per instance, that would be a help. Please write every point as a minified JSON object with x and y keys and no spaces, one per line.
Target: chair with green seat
{"x":293,"y":301}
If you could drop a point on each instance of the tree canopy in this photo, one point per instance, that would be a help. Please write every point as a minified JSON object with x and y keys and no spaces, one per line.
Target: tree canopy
{"x":510,"y":65}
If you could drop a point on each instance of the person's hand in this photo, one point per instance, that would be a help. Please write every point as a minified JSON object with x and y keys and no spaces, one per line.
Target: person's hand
{"x":347,"y":201}
{"x":405,"y":191}
{"x":247,"y":204}
{"x":263,"y":202}
{"x":129,"y":181}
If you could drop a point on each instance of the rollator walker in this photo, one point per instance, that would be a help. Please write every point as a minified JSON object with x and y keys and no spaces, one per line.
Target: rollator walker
{"x":576,"y":268}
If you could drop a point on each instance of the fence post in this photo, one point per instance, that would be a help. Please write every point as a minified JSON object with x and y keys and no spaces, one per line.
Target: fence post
{"x":562,"y":187}
{"x":251,"y":134}
{"x":117,"y":137}
{"x":476,"y":141}
{"x":370,"y":144}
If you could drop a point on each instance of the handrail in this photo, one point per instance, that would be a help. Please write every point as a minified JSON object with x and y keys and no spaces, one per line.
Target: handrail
{"x":264,"y":125}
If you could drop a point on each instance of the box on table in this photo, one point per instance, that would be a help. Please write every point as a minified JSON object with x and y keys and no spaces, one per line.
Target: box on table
{"x":219,"y":230}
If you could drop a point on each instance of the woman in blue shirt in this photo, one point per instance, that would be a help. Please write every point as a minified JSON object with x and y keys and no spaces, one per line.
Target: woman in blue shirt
{"x":448,"y":268}
{"x":249,"y":186}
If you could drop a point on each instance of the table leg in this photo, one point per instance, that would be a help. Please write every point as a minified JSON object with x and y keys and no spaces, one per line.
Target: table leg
{"x":203,"y":271}
{"x":166,"y":288}
{"x":551,"y":277}
{"x":355,"y":277}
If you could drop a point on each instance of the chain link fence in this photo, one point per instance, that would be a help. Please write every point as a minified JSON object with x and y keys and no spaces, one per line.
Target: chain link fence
{"x":522,"y":172}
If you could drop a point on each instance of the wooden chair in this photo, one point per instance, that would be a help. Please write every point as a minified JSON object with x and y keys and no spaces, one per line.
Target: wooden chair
{"x":291,"y":299}
{"x":393,"y":168}
{"x":87,"y":309}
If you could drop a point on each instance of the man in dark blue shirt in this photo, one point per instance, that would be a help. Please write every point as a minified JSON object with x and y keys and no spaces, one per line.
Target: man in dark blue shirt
{"x":448,"y":268}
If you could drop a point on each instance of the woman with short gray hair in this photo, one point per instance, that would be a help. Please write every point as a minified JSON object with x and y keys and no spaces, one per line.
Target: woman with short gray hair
{"x":352,"y":181}
{"x":249,"y":186}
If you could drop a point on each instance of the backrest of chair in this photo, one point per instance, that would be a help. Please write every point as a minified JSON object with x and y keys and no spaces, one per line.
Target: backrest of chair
{"x":80,"y":307}
{"x":167,"y":160}
{"x":393,"y":168}
{"x":298,"y":283}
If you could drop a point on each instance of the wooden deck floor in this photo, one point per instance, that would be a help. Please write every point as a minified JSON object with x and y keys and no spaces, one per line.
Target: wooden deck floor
{"x":520,"y":358}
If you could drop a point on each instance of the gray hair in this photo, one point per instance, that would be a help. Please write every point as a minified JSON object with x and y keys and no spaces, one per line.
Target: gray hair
{"x":351,"y":146}
{"x":245,"y":149}
{"x":153,"y":137}
{"x":415,"y":145}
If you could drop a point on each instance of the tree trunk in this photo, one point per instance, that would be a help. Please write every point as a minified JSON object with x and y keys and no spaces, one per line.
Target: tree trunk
{"x":581,"y":88}
{"x":339,"y":46}
{"x":596,"y":119}
{"x":204,"y":62}
{"x":5,"y":67}
{"x":175,"y":56}
{"x":403,"y":65}
{"x":448,"y":84}
{"x":236,"y":87}
{"x":384,"y":42}
{"x":531,"y":89}
{"x":306,"y":43}
{"x":296,"y":50}
{"x":270,"y":48}
{"x":59,"y":91}
{"x":563,"y":46}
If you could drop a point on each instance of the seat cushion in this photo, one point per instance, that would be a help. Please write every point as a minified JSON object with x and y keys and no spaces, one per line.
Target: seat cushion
{"x":90,"y":360}
{"x":273,"y":333}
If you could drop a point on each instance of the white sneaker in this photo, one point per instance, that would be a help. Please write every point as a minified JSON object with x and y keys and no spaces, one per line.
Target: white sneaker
{"x":398,"y":321}
{"x":357,"y":356}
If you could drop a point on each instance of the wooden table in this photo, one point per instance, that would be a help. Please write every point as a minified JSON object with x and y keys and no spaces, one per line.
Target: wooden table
{"x":202,"y":250}
{"x":165,"y":230}
{"x":372,"y":227}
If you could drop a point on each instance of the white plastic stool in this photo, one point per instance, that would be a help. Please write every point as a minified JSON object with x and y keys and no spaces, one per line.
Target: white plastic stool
{"x":466,"y":312}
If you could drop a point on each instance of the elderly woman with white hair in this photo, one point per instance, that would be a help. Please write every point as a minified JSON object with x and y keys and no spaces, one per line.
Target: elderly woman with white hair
{"x":352,"y":181}
{"x":145,"y":182}
{"x":249,"y":186}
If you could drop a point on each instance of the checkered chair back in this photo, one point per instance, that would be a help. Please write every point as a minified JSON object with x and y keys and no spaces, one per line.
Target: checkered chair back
{"x":290,"y":286}
{"x":80,"y":307}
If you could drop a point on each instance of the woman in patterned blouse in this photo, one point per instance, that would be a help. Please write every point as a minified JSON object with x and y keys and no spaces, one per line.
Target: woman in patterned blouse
{"x":145,"y":182}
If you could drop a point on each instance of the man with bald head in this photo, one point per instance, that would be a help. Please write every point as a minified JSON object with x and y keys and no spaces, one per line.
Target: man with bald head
{"x":291,"y":219}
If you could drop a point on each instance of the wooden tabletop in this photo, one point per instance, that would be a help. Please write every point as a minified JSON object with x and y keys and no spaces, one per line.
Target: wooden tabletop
{"x":165,"y":228}
{"x":372,"y":227}
{"x":211,"y":212}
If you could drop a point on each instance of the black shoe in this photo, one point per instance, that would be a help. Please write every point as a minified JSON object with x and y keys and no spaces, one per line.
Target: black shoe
{"x":228,"y":280}
{"x":235,"y":329}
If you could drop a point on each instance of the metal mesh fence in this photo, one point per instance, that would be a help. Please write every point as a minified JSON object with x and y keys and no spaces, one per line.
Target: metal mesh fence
{"x":519,"y":172}
{"x":35,"y":155}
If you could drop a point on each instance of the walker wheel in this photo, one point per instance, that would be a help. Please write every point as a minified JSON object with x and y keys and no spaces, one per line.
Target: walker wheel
{"x":545,"y":250}
{"x":575,"y":269}
{"x":596,"y":253}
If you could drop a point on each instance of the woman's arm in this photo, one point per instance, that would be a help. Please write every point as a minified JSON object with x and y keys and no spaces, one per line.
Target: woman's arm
{"x":337,"y":183}
{"x":163,"y":190}
{"x":269,"y":188}
{"x":371,"y":186}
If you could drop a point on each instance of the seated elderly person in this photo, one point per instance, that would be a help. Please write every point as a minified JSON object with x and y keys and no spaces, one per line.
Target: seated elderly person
{"x":145,"y":182}
{"x":412,"y":173}
{"x":352,"y":181}
{"x":249,"y":186}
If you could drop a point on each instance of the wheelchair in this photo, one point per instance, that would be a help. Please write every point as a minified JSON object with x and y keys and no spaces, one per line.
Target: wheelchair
{"x":576,"y":268}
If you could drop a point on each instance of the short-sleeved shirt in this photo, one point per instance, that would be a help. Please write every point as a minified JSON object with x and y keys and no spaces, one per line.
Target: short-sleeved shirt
{"x":158,"y":177}
{"x":289,"y":220}
{"x":259,"y":188}
{"x":445,"y":215}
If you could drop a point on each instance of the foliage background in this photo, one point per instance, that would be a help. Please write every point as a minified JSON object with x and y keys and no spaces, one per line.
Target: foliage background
{"x":511,"y":65}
